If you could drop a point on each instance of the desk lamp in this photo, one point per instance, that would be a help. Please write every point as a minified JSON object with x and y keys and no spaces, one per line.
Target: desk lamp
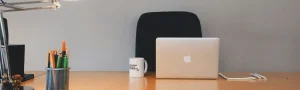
{"x":9,"y":82}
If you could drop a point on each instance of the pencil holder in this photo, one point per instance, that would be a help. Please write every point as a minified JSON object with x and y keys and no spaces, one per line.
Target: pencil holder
{"x":57,"y":78}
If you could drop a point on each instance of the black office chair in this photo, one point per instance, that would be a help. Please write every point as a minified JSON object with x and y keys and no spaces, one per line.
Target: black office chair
{"x":163,"y":24}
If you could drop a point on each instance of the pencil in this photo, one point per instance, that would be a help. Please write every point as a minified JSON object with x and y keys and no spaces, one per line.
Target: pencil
{"x":56,"y":56}
{"x":63,"y":48}
{"x":59,"y":61}
{"x":65,"y":72}
{"x":53,"y":66}
{"x":52,"y":60}
{"x":50,"y":74}
{"x":59,"y":51}
{"x":68,"y":52}
{"x":58,"y":72}
{"x":66,"y":62}
{"x":48,"y":62}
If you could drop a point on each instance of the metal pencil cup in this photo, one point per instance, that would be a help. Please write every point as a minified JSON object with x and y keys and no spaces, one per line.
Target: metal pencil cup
{"x":57,"y":78}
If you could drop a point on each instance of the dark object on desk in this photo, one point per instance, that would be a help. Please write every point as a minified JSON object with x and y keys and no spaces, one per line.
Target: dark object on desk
{"x":20,"y":88}
{"x":27,"y":77}
{"x":163,"y":24}
{"x":16,"y":55}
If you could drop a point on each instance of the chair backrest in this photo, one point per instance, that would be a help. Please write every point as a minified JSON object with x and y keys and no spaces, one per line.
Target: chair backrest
{"x":163,"y":24}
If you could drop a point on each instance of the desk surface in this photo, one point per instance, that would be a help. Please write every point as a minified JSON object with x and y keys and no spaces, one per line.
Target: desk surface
{"x":121,"y":81}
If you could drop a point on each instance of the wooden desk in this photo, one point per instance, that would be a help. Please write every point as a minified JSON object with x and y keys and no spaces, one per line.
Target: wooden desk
{"x":121,"y":81}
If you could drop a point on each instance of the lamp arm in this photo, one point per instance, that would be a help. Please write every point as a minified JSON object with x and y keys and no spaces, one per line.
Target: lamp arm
{"x":28,"y":2}
{"x":56,"y":5}
{"x":34,"y":8}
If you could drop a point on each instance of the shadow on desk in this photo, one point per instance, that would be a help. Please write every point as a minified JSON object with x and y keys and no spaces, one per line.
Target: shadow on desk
{"x":176,"y":84}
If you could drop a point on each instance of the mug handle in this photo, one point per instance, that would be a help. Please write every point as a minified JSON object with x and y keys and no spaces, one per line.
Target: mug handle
{"x":146,"y":66}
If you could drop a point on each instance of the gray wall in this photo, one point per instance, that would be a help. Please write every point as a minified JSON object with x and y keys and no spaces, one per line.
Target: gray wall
{"x":256,"y":35}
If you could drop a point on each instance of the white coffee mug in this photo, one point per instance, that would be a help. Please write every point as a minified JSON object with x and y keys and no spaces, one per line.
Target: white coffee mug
{"x":137,"y":67}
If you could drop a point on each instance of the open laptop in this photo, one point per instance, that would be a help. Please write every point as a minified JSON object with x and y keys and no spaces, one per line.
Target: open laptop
{"x":196,"y":58}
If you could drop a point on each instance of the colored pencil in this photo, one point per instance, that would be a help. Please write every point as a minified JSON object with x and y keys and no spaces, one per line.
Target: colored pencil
{"x":65,"y":72}
{"x":56,"y":56}
{"x":64,"y":47}
{"x":58,"y":72}
{"x":48,"y":62}
{"x":53,"y":66}
{"x":68,"y":53}
{"x":48,"y":66}
{"x":59,"y":61}
{"x":52,"y":60}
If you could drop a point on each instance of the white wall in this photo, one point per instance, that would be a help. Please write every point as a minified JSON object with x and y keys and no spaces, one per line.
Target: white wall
{"x":256,"y":35}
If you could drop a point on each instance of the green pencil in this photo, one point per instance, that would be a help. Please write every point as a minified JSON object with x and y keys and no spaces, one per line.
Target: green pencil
{"x":58,"y":74}
{"x":59,"y":62}
{"x":65,"y":65}
{"x":65,"y":62}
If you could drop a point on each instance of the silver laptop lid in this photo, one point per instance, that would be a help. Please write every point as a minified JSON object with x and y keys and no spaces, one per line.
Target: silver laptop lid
{"x":187,"y":58}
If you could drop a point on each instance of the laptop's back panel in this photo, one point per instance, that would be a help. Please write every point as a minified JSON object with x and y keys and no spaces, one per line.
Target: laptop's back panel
{"x":187,"y":57}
